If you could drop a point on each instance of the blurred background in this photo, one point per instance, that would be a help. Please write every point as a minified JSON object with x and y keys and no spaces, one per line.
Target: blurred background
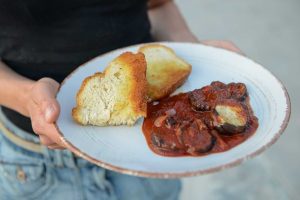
{"x":267,"y":31}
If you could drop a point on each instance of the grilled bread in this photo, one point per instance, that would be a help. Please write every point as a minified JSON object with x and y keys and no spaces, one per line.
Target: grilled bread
{"x":115,"y":97}
{"x":165,"y":71}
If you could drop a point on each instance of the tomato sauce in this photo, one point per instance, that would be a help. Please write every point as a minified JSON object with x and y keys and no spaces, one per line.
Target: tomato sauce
{"x":188,"y":124}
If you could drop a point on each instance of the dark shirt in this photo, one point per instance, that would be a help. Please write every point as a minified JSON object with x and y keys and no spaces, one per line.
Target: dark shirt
{"x":50,"y":38}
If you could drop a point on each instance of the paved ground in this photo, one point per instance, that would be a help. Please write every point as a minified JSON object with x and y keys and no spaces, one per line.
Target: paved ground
{"x":267,"y":31}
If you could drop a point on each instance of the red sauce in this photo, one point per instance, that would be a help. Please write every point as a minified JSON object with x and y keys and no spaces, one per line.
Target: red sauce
{"x":188,"y":124}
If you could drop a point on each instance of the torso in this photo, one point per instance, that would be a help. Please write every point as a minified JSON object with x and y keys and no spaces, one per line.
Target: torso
{"x":50,"y":38}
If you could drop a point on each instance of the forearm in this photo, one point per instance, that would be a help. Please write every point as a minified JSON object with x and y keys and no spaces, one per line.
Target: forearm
{"x":14,"y":89}
{"x":168,"y":24}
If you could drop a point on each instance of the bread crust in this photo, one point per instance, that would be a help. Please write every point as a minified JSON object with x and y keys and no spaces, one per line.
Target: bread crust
{"x":159,"y":93}
{"x":137,"y":67}
{"x":135,"y":64}
{"x":175,"y":78}
{"x":75,"y":110}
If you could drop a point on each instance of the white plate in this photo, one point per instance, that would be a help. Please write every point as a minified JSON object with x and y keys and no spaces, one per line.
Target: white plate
{"x":124,"y":149}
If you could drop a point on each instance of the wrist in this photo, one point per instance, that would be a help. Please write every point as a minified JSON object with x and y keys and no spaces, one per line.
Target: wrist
{"x":24,"y":97}
{"x":183,"y":36}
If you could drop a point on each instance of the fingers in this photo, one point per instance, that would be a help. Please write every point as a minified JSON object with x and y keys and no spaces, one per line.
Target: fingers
{"x":46,"y":141}
{"x":49,"y":143}
{"x":44,"y":111}
{"x":47,"y":132}
{"x":48,"y":135}
{"x":223,"y":44}
{"x":43,"y":94}
{"x":44,"y":89}
{"x":51,"y":110}
{"x":55,"y":147}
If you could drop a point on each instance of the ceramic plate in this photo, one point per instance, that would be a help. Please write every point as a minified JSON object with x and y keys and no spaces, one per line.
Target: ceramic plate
{"x":124,"y":149}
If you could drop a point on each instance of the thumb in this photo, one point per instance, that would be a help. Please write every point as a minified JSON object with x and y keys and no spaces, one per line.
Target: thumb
{"x":44,"y":95}
{"x":51,"y":111}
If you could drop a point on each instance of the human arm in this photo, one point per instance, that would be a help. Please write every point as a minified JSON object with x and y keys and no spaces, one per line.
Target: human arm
{"x":34,"y":99}
{"x":169,"y":25}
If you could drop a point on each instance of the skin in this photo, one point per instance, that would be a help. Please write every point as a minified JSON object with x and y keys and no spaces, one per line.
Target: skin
{"x":36,"y":99}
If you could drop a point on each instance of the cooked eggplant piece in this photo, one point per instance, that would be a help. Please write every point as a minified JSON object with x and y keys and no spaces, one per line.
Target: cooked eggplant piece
{"x":159,"y":120}
{"x":180,"y":130}
{"x":218,"y":85}
{"x":198,"y":139}
{"x":164,"y":144}
{"x":220,"y":143}
{"x":156,"y":140}
{"x":232,"y":117}
{"x":203,"y":99}
{"x":238,"y":91}
{"x":229,"y":129}
{"x":170,"y":122}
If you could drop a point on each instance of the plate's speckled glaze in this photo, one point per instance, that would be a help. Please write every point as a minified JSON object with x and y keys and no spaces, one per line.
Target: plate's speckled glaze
{"x":124,"y":149}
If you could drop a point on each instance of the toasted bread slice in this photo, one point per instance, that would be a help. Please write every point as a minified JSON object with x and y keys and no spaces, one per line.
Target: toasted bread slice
{"x":165,"y":71}
{"x":115,"y":97}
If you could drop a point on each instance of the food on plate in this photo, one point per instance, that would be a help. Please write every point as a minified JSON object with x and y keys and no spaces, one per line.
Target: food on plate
{"x":232,"y":117}
{"x":165,"y":70}
{"x":212,"y":119}
{"x":115,"y":97}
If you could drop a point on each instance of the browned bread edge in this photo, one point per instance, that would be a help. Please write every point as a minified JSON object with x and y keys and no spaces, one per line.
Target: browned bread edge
{"x":171,"y":88}
{"x":138,"y":71}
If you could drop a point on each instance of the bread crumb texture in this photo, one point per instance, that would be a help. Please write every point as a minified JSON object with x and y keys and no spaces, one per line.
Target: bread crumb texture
{"x":115,"y":97}
{"x":165,"y":70}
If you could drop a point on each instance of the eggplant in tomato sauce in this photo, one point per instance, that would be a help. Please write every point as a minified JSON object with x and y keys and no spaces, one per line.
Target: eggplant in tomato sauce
{"x":212,"y":119}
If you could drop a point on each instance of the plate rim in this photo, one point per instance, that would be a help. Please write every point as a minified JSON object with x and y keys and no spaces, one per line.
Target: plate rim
{"x":140,"y":173}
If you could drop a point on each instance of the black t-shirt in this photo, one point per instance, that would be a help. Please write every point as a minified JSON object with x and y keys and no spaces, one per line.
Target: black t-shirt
{"x":50,"y":38}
